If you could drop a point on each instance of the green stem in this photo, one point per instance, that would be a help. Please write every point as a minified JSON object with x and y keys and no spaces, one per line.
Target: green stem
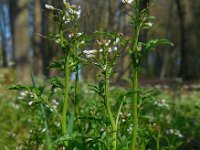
{"x":48,"y":142}
{"x":76,"y":100}
{"x":158,"y":134}
{"x":158,"y":142}
{"x":66,"y":90}
{"x":135,"y":97}
{"x":111,"y":118}
{"x":135,"y":65}
{"x":66,"y":96}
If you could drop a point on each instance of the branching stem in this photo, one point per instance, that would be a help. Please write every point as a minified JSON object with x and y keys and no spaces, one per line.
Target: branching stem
{"x":108,"y":107}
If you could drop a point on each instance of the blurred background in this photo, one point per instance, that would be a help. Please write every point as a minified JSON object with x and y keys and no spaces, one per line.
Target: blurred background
{"x":22,"y":21}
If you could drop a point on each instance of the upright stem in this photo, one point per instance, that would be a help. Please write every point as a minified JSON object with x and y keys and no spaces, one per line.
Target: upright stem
{"x":76,"y":95}
{"x":76,"y":100}
{"x":158,"y":134}
{"x":135,"y":97}
{"x":48,"y":142}
{"x":66,"y":96}
{"x":111,"y":118}
{"x":66,"y":90}
{"x":158,"y":141}
{"x":135,"y":66}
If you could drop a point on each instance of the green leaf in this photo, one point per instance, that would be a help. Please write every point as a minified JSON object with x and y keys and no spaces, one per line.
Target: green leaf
{"x":38,"y":90}
{"x":101,"y":85}
{"x":155,"y":42}
{"x":56,"y":82}
{"x":57,"y":65}
{"x":19,"y":87}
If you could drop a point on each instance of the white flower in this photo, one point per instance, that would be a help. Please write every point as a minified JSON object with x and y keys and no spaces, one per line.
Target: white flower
{"x":64,"y":2}
{"x":72,"y":13}
{"x":90,"y":53}
{"x":23,"y":93}
{"x":79,"y":34}
{"x":161,"y":103}
{"x":107,"y":44}
{"x":127,"y":1}
{"x":71,"y":35}
{"x":116,"y":41}
{"x":130,"y":129}
{"x":32,"y":95}
{"x":30,"y":103}
{"x":55,"y":102}
{"x":78,"y":13}
{"x":82,"y":42}
{"x":50,"y":7}
{"x":149,"y":24}
{"x":174,"y":132}
{"x":111,"y":49}
{"x":57,"y":40}
{"x":115,"y":48}
{"x":43,"y":130}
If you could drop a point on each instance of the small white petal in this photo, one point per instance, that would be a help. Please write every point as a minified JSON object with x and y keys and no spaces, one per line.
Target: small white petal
{"x":82,"y":42}
{"x":127,"y":1}
{"x":49,"y":7}
{"x":79,"y":34}
{"x":64,"y":1}
{"x":43,"y":130}
{"x":115,"y":48}
{"x":30,"y":103}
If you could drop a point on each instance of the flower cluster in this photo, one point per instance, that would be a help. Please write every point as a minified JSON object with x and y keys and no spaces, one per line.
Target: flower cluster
{"x":27,"y":95}
{"x":174,"y":132}
{"x":72,"y":13}
{"x":161,"y":103}
{"x":105,"y":45}
{"x":130,"y":128}
{"x":124,"y":116}
{"x":55,"y":103}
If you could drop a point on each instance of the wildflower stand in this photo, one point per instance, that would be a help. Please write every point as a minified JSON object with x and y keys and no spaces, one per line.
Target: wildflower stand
{"x":108,"y":48}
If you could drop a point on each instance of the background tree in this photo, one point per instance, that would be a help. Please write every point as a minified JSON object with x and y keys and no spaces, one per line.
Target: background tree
{"x":19,"y":14}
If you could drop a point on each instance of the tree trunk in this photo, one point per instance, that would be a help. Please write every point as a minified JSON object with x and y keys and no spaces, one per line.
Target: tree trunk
{"x":183,"y":66}
{"x":166,"y":65}
{"x":37,"y":41}
{"x":47,"y":52}
{"x":3,"y":34}
{"x":19,"y":15}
